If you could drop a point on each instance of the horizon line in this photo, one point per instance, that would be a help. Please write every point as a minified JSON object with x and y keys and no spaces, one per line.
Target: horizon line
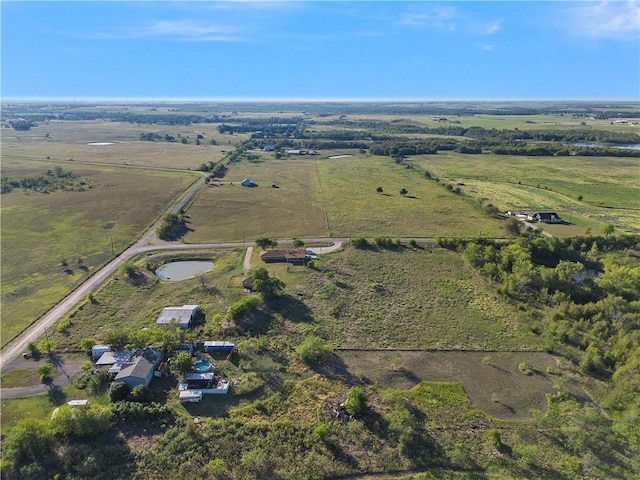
{"x":120,"y":100}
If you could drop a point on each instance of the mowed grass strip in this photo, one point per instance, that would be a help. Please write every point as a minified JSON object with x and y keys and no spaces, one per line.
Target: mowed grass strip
{"x":40,"y":231}
{"x":348,"y":187}
{"x":424,"y":299}
{"x":228,"y":212}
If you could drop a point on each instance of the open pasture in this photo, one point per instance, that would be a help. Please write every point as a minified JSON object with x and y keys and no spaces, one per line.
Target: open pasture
{"x":348,"y":187}
{"x":493,"y":381}
{"x":320,"y":196}
{"x":71,"y":140}
{"x":228,"y":212}
{"x":608,"y":185}
{"x":410,"y":298}
{"x":82,"y":229}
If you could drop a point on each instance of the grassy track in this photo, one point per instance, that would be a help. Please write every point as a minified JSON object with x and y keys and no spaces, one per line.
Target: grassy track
{"x":39,"y":231}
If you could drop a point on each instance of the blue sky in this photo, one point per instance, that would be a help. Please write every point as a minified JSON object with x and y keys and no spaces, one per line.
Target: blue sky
{"x":321,"y":50}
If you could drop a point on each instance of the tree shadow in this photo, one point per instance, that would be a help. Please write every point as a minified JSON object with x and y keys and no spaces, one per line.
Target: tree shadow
{"x":291,"y":309}
{"x":336,"y":369}
{"x":56,"y":395}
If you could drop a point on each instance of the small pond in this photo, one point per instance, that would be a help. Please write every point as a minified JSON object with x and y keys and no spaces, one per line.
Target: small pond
{"x":176,"y":271}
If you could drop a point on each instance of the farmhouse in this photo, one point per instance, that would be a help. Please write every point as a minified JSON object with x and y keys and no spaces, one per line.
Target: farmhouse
{"x":183,"y":316}
{"x":289,"y":256}
{"x":247,"y":182}
{"x":545,"y":217}
{"x":140,"y":367}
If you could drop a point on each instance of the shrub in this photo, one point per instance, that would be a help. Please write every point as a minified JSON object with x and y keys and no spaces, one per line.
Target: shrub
{"x":243,"y":307}
{"x":356,"y":401}
{"x":493,"y":438}
{"x":359,"y":242}
{"x":46,"y":372}
{"x":119,"y":391}
{"x":313,"y":350}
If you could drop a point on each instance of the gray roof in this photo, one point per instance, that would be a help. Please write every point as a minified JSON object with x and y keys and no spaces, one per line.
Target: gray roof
{"x":138,"y":367}
{"x":182,"y":315}
{"x":113,"y":358}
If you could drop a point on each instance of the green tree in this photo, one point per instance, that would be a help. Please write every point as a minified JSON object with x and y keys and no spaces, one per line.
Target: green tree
{"x":117,"y":339}
{"x":379,"y":190}
{"x":403,"y":191}
{"x":87,"y":344}
{"x":512,"y":226}
{"x":608,"y":229}
{"x":356,"y":401}
{"x":313,"y":350}
{"x":46,"y":372}
{"x":298,"y":244}
{"x":81,"y":422}
{"x":182,"y":364}
{"x":119,"y":391}
{"x":264,"y":242}
{"x":28,"y":441}
{"x":270,"y":287}
{"x":47,"y":345}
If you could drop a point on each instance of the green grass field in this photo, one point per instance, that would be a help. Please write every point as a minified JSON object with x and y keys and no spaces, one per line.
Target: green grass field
{"x":608,"y":185}
{"x":39,"y":231}
{"x":322,"y":196}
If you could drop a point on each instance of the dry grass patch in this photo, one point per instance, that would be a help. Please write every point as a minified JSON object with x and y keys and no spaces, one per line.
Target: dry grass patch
{"x":493,"y":381}
{"x":42,"y":233}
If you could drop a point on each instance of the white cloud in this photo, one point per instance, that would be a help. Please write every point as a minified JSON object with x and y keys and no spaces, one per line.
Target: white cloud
{"x":493,"y":28}
{"x":608,"y":20}
{"x":440,"y":17}
{"x":487,"y":47}
{"x":182,"y":30}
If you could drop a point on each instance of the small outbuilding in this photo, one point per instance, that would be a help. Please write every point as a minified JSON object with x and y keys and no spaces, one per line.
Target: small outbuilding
{"x":98,"y":350}
{"x":182,"y":316}
{"x":247,"y":182}
{"x":218,"y":346}
{"x":190,"y":396}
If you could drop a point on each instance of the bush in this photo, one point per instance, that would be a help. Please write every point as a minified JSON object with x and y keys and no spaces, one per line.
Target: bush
{"x":356,"y":401}
{"x":119,"y":391}
{"x":243,"y":307}
{"x":360,"y":242}
{"x":493,"y":438}
{"x":313,"y":350}
{"x":46,"y":372}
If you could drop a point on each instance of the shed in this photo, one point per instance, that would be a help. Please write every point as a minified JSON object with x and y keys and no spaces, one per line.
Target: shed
{"x":218,"y":346}
{"x":247,"y":182}
{"x":98,"y":350}
{"x":190,"y":396}
{"x":183,"y":316}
